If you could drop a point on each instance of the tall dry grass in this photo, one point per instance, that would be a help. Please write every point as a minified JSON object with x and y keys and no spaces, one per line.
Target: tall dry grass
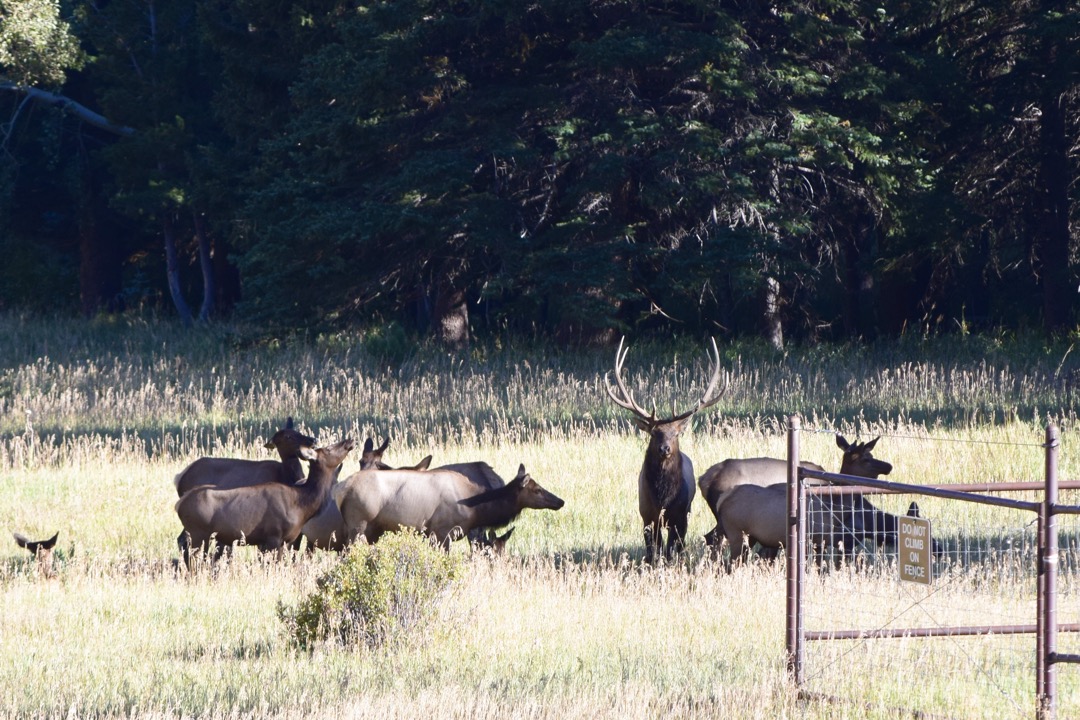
{"x":97,"y":420}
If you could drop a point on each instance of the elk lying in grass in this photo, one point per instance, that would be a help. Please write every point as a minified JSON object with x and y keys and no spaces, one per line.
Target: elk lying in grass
{"x":326,"y":530}
{"x":42,"y":550}
{"x":666,"y":480}
{"x":751,"y":513}
{"x":225,"y":473}
{"x":442,"y":503}
{"x":870,"y":523}
{"x":722,"y":478}
{"x":268,"y":516}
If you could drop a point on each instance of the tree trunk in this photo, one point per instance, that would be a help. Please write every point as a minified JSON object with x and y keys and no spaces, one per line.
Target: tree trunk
{"x":861,"y":298}
{"x":172,"y":269}
{"x":774,"y":328}
{"x":99,"y":264}
{"x":226,"y":277}
{"x":1053,"y":226}
{"x":206,"y":264}
{"x":451,"y":316}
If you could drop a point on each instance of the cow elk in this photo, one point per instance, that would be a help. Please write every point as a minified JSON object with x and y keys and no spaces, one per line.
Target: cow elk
{"x":851,"y":517}
{"x":326,"y":530}
{"x":753,"y":514}
{"x":441,"y":503}
{"x":268,"y":516}
{"x":42,"y":550}
{"x":485,"y":478}
{"x":666,"y":480}
{"x":225,"y":473}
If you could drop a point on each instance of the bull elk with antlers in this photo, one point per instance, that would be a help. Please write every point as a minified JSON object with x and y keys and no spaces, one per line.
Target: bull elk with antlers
{"x":666,"y":482}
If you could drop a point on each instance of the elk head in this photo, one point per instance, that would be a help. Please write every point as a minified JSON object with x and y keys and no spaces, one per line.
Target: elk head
{"x":859,"y":460}
{"x":292,"y":446}
{"x":288,"y":441}
{"x":371,"y":459}
{"x":663,"y":432}
{"x":42,"y":550}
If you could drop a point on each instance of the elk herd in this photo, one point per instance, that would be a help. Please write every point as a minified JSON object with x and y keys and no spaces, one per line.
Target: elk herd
{"x":278,"y":504}
{"x":272,"y":504}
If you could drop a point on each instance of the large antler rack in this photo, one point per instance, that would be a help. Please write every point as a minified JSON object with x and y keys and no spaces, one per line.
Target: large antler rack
{"x":625,"y":399}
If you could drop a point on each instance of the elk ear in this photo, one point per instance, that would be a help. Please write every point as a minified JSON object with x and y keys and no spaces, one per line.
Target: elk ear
{"x":521,"y":470}
{"x":308,"y":454}
{"x":870,"y":445}
{"x":382,"y":448}
{"x":423,"y":464}
{"x":842,"y":443}
{"x":913,"y":510}
{"x":368,"y":445}
{"x":288,"y":423}
{"x":643,"y":424}
{"x":20,"y":540}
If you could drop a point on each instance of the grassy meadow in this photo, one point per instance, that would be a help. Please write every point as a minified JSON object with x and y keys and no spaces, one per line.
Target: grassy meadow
{"x":97,"y":418}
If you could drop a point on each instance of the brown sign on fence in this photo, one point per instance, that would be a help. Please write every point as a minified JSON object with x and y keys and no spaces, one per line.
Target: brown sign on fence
{"x":916,"y":563}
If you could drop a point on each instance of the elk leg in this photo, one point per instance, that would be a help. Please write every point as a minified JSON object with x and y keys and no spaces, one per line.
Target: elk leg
{"x":767,"y":552}
{"x":275,"y":546}
{"x":219,"y":549}
{"x":713,"y":541}
{"x":183,"y":541}
{"x":652,"y":538}
{"x":739,"y":555}
{"x":676,"y":533}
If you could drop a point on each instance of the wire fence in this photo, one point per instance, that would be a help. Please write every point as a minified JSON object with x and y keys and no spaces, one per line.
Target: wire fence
{"x":972,"y":642}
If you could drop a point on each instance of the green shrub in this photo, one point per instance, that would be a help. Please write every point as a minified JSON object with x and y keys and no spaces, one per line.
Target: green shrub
{"x":376,"y":595}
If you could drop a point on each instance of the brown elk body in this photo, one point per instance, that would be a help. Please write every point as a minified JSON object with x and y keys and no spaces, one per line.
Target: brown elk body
{"x":326,"y":530}
{"x":666,"y":480}
{"x":743,"y":496}
{"x":268,"y":516}
{"x":484,"y":477}
{"x":225,"y":473}
{"x":751,"y":513}
{"x":42,"y":550}
{"x":442,"y":503}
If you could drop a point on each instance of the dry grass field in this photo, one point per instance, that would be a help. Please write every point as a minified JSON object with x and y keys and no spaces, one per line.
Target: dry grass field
{"x":96,"y":420}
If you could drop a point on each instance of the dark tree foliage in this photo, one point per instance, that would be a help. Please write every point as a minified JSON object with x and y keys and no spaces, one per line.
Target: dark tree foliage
{"x":995,"y":241}
{"x":808,"y":169}
{"x":153,"y":68}
{"x":579,"y":167}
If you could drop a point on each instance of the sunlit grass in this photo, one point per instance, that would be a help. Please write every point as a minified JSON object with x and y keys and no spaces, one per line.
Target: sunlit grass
{"x":96,"y":424}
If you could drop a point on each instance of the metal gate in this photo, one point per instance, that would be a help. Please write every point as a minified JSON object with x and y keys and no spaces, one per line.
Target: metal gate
{"x":1045,"y":627}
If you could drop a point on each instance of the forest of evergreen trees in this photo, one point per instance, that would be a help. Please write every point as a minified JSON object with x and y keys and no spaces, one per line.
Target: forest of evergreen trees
{"x":574,"y":169}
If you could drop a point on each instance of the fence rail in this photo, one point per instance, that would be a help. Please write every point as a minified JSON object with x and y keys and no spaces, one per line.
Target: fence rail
{"x":1045,"y":628}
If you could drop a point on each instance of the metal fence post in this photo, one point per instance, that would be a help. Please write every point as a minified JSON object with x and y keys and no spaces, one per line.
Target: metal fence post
{"x":795,"y":551}
{"x":1046,"y":621}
